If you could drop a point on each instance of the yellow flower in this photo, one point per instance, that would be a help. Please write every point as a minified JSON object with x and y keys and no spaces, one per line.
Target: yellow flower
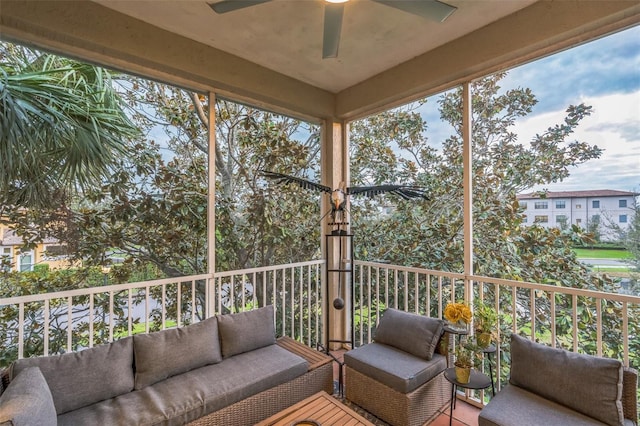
{"x":457,"y":312}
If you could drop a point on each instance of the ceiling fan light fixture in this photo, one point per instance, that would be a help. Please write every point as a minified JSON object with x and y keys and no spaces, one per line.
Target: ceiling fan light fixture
{"x":336,"y":1}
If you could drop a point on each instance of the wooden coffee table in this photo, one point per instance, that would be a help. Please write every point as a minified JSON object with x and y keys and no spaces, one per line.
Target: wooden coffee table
{"x":322,"y":408}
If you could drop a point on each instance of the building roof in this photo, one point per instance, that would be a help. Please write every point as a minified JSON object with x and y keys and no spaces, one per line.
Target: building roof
{"x":10,"y":238}
{"x":576,"y":194}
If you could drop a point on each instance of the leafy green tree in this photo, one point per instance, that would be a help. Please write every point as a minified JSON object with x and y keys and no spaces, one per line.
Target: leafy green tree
{"x":392,"y":146}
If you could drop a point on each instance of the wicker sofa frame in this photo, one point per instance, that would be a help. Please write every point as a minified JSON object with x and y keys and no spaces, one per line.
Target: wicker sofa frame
{"x":260,"y":406}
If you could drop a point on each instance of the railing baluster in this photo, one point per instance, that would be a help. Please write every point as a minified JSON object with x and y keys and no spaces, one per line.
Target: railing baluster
{"x":163,"y":308}
{"x":552,"y":297}
{"x":21,"y":330}
{"x":416,"y":296}
{"x":45,"y":315}
{"x":369,"y":304}
{"x":625,"y":332}
{"x":111,"y":315}
{"x":514,"y":313}
{"x":179,"y":304}
{"x":69,"y":324}
{"x":599,"y":326}
{"x":130,"y":312}
{"x":146,"y":309}
{"x":574,"y":318}
{"x":292,"y":298}
{"x":532,"y":313}
{"x":91,"y":320}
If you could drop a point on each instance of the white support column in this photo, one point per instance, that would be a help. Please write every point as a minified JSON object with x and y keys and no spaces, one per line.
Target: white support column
{"x":211,"y":209}
{"x":335,"y":170}
{"x":467,"y":184}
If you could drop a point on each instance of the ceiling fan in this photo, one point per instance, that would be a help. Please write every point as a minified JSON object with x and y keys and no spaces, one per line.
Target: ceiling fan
{"x":334,"y":9}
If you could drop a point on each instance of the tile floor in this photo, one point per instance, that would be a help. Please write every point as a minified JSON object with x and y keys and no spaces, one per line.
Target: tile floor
{"x":463,"y":415}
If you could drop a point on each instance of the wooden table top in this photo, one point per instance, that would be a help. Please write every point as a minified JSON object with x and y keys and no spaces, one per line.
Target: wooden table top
{"x":322,"y":408}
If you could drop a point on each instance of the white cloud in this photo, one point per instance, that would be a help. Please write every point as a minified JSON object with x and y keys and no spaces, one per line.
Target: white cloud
{"x":614,"y":126}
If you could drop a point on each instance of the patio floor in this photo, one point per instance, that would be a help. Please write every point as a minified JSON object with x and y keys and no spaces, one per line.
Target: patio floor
{"x":463,"y":415}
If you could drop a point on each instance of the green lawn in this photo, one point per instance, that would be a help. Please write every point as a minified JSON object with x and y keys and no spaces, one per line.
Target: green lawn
{"x":602,"y":254}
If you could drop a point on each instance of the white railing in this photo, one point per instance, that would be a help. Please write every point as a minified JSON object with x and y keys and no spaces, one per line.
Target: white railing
{"x":580,"y":320}
{"x":574,"y":319}
{"x":58,"y":322}
{"x":294,"y":289}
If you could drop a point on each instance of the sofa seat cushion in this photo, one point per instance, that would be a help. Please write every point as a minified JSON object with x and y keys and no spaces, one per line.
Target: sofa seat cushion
{"x":78,"y":379}
{"x":588,"y":384}
{"x":27,"y":401}
{"x":394,"y":368}
{"x":196,"y":393}
{"x":514,"y":406}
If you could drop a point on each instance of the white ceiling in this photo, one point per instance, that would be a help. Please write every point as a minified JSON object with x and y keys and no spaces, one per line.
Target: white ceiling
{"x":286,"y":35}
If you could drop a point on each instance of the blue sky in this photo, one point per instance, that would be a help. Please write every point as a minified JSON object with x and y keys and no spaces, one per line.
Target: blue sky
{"x":605,"y":74}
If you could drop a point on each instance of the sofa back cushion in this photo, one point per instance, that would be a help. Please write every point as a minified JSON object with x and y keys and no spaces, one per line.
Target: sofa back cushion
{"x":78,"y":379}
{"x":411,"y":333}
{"x":587,"y":384}
{"x":27,"y":401}
{"x":246,"y":331}
{"x":174,"y":351}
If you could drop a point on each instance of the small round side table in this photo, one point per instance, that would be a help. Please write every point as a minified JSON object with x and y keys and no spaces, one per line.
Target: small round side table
{"x":491,"y":349}
{"x":476,"y":381}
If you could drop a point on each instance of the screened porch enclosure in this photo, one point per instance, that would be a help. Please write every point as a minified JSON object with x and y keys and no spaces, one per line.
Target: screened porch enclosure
{"x":587,"y":321}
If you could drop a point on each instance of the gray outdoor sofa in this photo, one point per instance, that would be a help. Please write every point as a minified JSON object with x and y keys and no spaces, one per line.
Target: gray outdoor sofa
{"x":226,"y":370}
{"x":551,"y":386}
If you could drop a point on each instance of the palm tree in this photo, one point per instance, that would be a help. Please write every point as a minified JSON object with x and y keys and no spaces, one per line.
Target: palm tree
{"x":62,"y":125}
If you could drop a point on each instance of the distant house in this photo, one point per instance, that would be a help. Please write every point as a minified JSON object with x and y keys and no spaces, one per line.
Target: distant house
{"x":49,"y":252}
{"x":595,"y":209}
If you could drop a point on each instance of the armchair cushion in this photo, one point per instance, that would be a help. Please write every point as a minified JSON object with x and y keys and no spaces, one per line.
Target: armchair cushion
{"x":28,"y":401}
{"x":246,"y":331}
{"x":590,"y":385}
{"x":174,"y":351}
{"x":411,"y":333}
{"x":393,"y":367}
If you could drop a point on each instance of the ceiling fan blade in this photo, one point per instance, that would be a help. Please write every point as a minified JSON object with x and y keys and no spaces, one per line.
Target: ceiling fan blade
{"x":429,"y":9}
{"x":225,"y":6}
{"x":332,"y":27}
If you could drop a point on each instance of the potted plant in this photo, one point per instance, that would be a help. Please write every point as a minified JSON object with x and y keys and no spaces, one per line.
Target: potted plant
{"x":466,"y":358}
{"x":485,"y":321}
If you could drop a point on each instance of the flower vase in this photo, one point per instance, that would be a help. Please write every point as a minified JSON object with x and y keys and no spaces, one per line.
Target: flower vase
{"x":463,"y":374}
{"x":460,"y":326}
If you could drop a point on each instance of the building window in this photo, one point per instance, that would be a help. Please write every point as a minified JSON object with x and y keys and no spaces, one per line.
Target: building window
{"x":541,"y":219}
{"x":560,"y":205}
{"x":523,"y":204}
{"x":622,"y":218}
{"x":524,"y":218}
{"x":6,"y":257}
{"x":25,"y":262}
{"x":595,"y":204}
{"x":578,"y":206}
{"x":622,"y":203}
{"x":578,"y":221}
{"x":55,"y":252}
{"x":561,"y":218}
{"x":541,"y":205}
{"x":595,"y":218}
